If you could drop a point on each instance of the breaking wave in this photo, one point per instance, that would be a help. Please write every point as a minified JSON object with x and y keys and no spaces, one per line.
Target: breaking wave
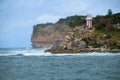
{"x":23,"y":52}
{"x":40,"y":52}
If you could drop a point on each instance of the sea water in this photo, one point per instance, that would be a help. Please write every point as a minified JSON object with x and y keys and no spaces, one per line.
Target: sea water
{"x":34,"y":64}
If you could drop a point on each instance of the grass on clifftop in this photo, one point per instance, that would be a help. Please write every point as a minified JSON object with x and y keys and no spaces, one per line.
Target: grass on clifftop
{"x":115,"y":35}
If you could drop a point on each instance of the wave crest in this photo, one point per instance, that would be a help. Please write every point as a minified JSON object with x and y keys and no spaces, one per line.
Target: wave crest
{"x":40,"y":52}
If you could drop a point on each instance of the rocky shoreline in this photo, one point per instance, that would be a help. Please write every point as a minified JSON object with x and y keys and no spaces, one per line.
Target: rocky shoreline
{"x":76,"y":51}
{"x":81,"y":40}
{"x":73,"y":34}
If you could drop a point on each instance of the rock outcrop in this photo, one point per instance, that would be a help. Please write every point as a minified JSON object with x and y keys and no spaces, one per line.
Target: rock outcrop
{"x":73,"y":39}
{"x":68,"y":36}
{"x":47,"y":35}
{"x":80,"y":39}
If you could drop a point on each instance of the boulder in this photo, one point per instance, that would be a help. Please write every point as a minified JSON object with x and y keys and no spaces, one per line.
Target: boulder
{"x":69,"y":45}
{"x":82,"y":44}
{"x":100,"y":42}
{"x":118,"y":43}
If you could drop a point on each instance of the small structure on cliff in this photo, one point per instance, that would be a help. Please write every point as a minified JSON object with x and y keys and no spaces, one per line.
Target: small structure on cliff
{"x":89,"y":21}
{"x":116,"y":25}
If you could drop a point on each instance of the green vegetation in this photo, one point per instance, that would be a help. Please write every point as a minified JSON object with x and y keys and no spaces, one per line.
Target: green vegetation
{"x":113,"y":35}
{"x":95,"y":45}
{"x":109,"y":12}
{"x":104,"y":28}
{"x":87,"y":43}
{"x":105,"y":23}
{"x":73,"y":21}
{"x":100,"y":22}
{"x":43,"y":25}
{"x":113,"y":47}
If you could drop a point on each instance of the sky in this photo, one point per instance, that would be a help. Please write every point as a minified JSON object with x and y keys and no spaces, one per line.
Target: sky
{"x":17,"y":17}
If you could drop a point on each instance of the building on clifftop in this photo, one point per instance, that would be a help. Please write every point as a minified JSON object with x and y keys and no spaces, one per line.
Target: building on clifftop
{"x":89,"y":21}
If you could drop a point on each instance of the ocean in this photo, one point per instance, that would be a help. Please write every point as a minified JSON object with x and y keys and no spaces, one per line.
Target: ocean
{"x":34,"y":64}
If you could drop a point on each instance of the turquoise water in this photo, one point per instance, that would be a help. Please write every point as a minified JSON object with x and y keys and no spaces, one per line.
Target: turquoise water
{"x":34,"y":64}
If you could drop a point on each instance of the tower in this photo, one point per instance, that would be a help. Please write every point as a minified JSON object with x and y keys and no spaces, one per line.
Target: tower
{"x":89,"y":21}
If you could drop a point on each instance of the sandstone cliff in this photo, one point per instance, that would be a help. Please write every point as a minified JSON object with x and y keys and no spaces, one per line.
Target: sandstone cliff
{"x":47,"y":35}
{"x":69,"y":33}
{"x":81,"y":39}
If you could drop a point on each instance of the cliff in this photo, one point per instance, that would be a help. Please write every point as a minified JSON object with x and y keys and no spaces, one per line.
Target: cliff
{"x":67,"y":35}
{"x":47,"y":35}
{"x":81,"y":39}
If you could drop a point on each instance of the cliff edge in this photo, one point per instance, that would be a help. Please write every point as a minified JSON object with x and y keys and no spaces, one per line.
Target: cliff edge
{"x":47,"y":35}
{"x":70,"y":35}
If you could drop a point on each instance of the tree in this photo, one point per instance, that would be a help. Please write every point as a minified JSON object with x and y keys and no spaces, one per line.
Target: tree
{"x":109,"y":12}
{"x":71,"y":24}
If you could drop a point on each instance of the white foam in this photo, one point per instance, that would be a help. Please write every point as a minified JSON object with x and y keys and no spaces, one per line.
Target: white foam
{"x":40,"y":52}
{"x":88,"y":54}
{"x":24,"y":52}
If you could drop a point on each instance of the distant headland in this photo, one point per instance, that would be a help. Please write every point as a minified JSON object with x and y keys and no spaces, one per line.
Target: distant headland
{"x":76,"y":34}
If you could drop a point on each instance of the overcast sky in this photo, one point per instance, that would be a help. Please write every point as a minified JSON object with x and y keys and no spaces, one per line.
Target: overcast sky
{"x":17,"y":17}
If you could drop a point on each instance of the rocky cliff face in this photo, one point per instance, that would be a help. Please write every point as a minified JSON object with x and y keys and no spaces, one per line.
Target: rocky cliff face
{"x":73,"y":38}
{"x":87,"y":43}
{"x":68,"y":33}
{"x":81,"y":39}
{"x":48,"y":35}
